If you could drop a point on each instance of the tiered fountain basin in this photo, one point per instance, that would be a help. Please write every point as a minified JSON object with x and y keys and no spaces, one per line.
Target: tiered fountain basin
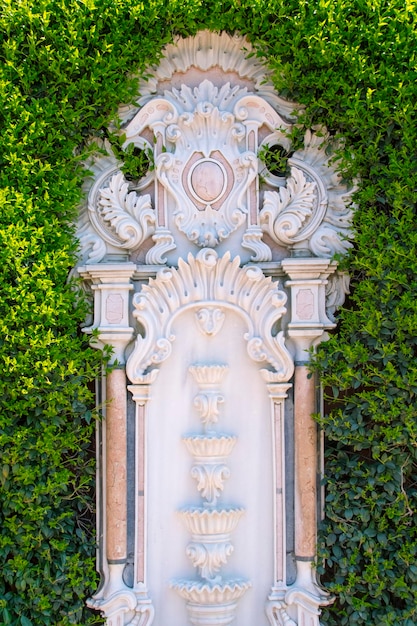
{"x":210,"y":470}
{"x":208,"y":375}
{"x":210,"y":448}
{"x":210,"y":544}
{"x":210,"y":604}
{"x":211,"y":523}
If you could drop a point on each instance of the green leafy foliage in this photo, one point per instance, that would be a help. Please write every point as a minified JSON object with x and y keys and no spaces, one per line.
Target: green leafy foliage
{"x":66,"y":66}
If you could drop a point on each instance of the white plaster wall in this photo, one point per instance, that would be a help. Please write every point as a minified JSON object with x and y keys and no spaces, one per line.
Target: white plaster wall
{"x":245,"y":413}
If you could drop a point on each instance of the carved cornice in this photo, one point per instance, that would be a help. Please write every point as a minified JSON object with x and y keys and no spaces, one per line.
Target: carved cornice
{"x":204,"y":281}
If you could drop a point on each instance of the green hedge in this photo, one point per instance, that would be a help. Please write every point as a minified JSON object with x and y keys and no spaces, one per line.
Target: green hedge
{"x":66,"y":65}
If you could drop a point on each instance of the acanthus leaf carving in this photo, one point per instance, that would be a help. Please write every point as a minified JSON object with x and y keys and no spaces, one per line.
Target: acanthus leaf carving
{"x":285,"y":211}
{"x":209,"y":557}
{"x":125,"y":218}
{"x":337,"y":289}
{"x":206,"y":404}
{"x":314,"y":211}
{"x":210,"y":480}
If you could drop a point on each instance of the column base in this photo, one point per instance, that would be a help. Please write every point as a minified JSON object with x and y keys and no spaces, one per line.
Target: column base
{"x":300,"y":603}
{"x":120,"y":605}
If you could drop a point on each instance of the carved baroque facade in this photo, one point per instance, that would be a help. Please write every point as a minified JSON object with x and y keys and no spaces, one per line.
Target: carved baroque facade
{"x":212,"y":278}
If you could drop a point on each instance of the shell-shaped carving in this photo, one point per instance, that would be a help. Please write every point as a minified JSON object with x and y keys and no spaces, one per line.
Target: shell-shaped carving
{"x":208,"y":374}
{"x":210,"y":50}
{"x":202,"y":281}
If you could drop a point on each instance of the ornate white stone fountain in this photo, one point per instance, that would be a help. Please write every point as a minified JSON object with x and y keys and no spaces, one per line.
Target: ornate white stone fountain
{"x":211,"y":599}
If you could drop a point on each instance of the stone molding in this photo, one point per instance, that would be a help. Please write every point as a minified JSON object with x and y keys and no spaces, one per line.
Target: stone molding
{"x":233,"y":54}
{"x":208,"y":281}
{"x":210,"y":525}
{"x":204,"y":139}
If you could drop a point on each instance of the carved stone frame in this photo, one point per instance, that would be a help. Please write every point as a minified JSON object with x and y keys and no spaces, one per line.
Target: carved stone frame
{"x":264,"y":253}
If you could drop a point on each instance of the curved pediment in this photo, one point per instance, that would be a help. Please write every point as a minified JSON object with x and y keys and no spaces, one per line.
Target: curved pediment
{"x":210,"y":286}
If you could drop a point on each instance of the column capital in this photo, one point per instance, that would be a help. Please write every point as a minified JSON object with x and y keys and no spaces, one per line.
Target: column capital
{"x":110,"y":284}
{"x":308,"y":268}
{"x":309,"y":321}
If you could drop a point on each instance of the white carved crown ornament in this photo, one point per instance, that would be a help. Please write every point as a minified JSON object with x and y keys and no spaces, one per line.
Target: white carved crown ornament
{"x":203,"y":188}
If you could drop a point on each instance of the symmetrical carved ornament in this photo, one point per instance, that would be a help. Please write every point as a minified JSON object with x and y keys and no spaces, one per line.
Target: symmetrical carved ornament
{"x":203,"y":139}
{"x":207,"y":52}
{"x":206,"y":161}
{"x":208,"y":281}
{"x":211,"y":599}
{"x":209,"y":221}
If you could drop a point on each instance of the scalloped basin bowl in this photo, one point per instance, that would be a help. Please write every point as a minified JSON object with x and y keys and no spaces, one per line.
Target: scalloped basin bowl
{"x":210,"y":446}
{"x":208,"y":374}
{"x":206,"y":593}
{"x":201,"y":521}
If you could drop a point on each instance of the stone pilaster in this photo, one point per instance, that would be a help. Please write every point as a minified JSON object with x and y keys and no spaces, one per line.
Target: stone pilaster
{"x":308,"y":278}
{"x":111,"y":285}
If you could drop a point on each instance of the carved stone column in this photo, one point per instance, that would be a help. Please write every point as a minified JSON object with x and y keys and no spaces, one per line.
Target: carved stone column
{"x":144,"y":608}
{"x":308,"y":278}
{"x":111,"y":286}
{"x":276,"y":600}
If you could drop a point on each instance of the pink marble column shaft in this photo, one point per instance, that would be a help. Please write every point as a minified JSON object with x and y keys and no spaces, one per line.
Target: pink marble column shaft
{"x":116,"y":487}
{"x":305,"y":434}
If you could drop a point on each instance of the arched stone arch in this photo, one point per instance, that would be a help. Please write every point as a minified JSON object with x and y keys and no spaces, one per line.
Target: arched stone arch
{"x":209,"y":286}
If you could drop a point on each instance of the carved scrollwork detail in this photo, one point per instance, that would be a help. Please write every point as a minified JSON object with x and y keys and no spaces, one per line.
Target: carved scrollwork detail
{"x":201,"y":282}
{"x":277,"y":614}
{"x":164,"y":243}
{"x":209,"y":320}
{"x":120,"y":605}
{"x":207,"y":404}
{"x":123,"y":217}
{"x":144,"y":616}
{"x":252,"y":240}
{"x":285,"y":211}
{"x":210,"y":480}
{"x":209,"y":557}
{"x":314,"y":210}
{"x":337,"y":289}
